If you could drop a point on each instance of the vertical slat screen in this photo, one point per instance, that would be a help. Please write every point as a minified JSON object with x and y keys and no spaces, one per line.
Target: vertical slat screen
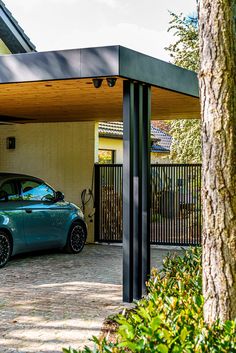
{"x":175,"y":204}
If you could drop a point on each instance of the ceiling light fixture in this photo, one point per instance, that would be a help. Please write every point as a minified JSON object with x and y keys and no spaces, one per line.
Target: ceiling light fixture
{"x":111,"y":81}
{"x":97,"y":82}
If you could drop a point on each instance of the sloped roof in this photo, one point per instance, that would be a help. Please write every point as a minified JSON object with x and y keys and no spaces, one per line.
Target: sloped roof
{"x":111,"y":129}
{"x":164,"y":140}
{"x":12,"y":34}
{"x":161,"y":141}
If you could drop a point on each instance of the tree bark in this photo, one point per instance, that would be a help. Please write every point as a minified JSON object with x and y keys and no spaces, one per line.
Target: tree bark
{"x":217,"y":79}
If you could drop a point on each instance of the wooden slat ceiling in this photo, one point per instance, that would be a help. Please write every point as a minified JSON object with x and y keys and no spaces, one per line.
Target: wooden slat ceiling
{"x":78,"y":100}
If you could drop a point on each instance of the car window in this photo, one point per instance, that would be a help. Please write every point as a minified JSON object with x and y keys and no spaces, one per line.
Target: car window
{"x":36,"y":191}
{"x":9,"y":191}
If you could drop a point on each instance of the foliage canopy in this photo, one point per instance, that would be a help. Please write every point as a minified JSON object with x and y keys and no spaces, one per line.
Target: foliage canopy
{"x":186,"y":146}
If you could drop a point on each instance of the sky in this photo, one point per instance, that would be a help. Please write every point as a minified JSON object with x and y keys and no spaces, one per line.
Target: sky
{"x":65,"y":24}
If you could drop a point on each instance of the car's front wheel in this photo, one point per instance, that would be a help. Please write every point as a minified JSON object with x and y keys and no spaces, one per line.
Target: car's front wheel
{"x":76,"y":238}
{"x":5,"y":248}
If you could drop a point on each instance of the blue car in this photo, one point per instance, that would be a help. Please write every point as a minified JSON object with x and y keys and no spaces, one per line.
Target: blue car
{"x":33,"y":216}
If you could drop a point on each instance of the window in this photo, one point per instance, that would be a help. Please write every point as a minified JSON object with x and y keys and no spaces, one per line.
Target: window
{"x":8,"y":191}
{"x":36,"y":191}
{"x":106,"y":156}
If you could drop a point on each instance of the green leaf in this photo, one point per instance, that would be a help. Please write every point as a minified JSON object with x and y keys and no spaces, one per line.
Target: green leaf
{"x":177,"y":349}
{"x":136,"y":318}
{"x":70,"y":350}
{"x":183,"y":334}
{"x":162,"y":348}
{"x":126,"y":330}
{"x":181,"y":285}
{"x":198,"y":300}
{"x":95,"y":339}
{"x":155,"y":323}
{"x":166,"y":334}
{"x":130,"y":345}
{"x":228,"y":325}
{"x":143,"y":313}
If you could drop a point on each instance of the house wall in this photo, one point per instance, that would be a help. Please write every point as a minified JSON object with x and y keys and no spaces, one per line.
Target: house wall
{"x":117,"y":146}
{"x":62,"y":154}
{"x":3,"y":48}
{"x":112,"y":144}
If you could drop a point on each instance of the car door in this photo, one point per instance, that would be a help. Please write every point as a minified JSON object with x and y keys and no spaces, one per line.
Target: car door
{"x":45,"y":219}
{"x":12,"y":214}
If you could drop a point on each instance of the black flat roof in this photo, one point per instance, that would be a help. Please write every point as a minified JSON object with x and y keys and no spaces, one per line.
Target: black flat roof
{"x":97,"y":62}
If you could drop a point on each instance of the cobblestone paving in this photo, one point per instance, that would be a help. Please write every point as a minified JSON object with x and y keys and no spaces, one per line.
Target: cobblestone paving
{"x":54,"y":300}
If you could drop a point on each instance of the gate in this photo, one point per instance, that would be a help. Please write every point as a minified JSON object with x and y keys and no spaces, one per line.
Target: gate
{"x":175,"y":215}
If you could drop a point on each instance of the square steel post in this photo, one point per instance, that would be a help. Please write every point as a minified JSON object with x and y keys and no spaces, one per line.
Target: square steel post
{"x":137,"y":192}
{"x":136,"y":189}
{"x":146,"y":185}
{"x":97,"y":201}
{"x":128,"y":142}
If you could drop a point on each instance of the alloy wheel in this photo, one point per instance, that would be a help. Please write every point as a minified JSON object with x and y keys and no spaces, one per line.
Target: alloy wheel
{"x":77,"y":238}
{"x":5,"y":249}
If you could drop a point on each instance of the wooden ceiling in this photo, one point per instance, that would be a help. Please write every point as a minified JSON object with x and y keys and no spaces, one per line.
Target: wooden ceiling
{"x":79,"y":100}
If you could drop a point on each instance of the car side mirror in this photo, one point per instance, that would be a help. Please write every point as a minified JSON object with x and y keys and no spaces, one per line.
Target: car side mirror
{"x":48,"y":198}
{"x":59,"y":196}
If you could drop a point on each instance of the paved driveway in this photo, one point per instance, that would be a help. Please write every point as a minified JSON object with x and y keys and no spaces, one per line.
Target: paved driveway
{"x":50,"y":301}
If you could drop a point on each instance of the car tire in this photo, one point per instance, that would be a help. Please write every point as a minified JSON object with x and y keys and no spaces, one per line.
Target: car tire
{"x":5,"y":248}
{"x":76,"y":238}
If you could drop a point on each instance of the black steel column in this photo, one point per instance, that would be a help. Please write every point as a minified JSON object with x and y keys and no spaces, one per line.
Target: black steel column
{"x":145,"y":122}
{"x":136,"y":189}
{"x":137,"y":184}
{"x":97,"y":202}
{"x":128,"y":143}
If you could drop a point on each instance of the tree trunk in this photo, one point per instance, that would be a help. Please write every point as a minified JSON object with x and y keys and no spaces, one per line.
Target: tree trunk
{"x":218,"y":103}
{"x":217,"y":90}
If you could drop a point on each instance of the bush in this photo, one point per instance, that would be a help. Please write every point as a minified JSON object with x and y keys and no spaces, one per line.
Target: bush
{"x":170,"y":318}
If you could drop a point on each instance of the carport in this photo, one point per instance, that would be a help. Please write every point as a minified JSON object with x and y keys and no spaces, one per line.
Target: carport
{"x":60,"y":86}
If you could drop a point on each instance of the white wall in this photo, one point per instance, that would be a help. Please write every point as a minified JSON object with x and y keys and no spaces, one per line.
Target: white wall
{"x":62,"y":154}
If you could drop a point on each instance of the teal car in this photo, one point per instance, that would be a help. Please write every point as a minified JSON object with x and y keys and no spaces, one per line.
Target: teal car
{"x":33,"y":216}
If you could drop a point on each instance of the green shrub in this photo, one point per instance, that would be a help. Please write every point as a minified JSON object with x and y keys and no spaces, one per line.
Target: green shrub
{"x":170,"y":318}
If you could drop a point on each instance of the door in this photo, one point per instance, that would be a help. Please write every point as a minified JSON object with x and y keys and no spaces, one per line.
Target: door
{"x":45,"y":221}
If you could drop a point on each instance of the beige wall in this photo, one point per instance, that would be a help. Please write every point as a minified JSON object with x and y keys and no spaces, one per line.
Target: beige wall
{"x":63,"y":154}
{"x":117,"y":146}
{"x":3,"y":48}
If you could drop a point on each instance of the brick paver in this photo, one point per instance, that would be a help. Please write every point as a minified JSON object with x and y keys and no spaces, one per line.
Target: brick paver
{"x":50,"y":301}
